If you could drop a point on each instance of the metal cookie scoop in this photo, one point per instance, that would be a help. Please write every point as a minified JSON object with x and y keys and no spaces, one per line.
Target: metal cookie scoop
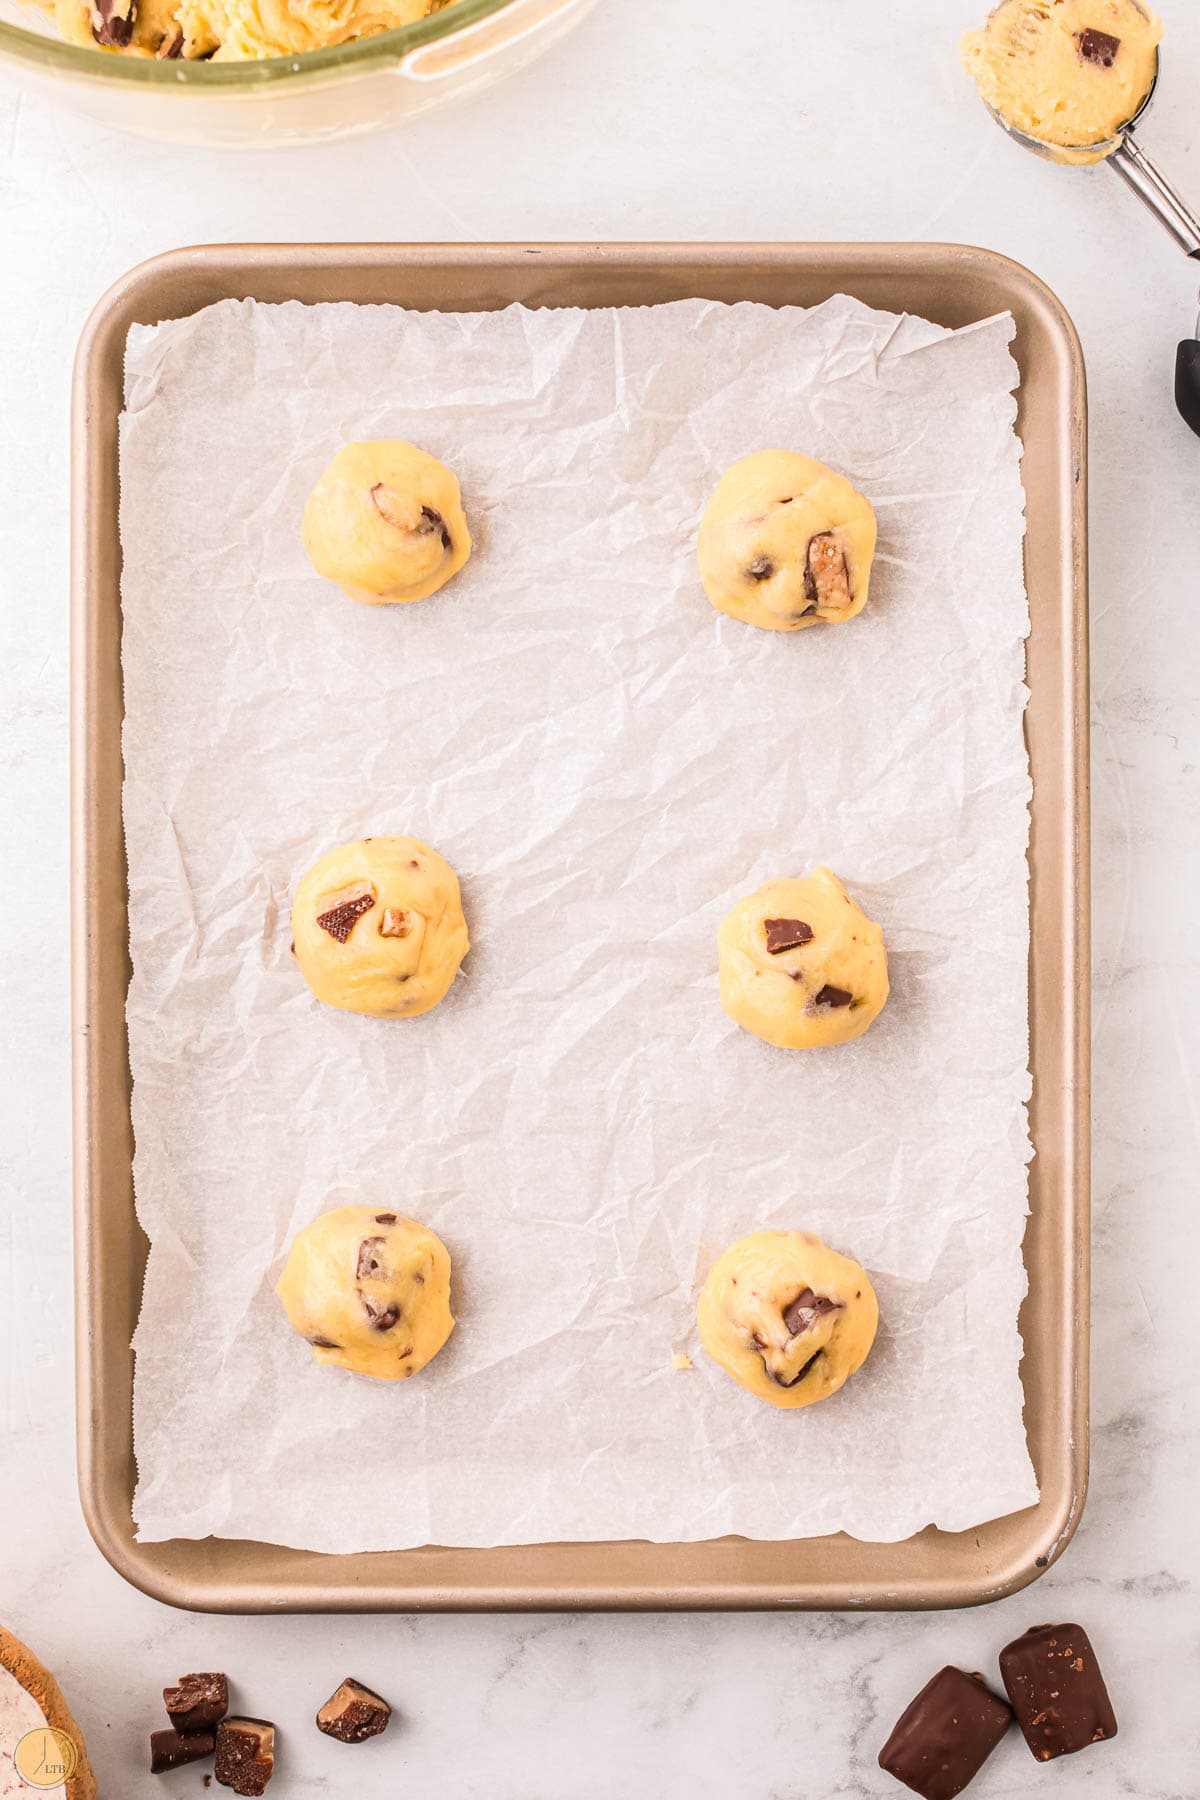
{"x":1127,"y":158}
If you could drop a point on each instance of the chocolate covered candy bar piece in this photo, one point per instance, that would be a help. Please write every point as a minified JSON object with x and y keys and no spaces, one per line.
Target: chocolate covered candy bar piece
{"x":942,"y":1740}
{"x":196,"y":1700}
{"x":172,"y":1749}
{"x":1098,"y":47}
{"x":245,"y":1754}
{"x":786,"y":934}
{"x":1057,"y":1691}
{"x":354,"y":1713}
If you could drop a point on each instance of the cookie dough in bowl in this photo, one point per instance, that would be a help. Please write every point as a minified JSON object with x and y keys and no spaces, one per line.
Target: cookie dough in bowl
{"x":801,"y":965}
{"x":229,"y":30}
{"x":788,"y":1318}
{"x":378,"y":927}
{"x":786,"y":543}
{"x":1068,"y":74}
{"x":369,"y":1290}
{"x":386,"y":523}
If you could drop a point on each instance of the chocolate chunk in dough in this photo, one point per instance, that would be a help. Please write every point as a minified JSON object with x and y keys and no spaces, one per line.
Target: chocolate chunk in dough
{"x":245,"y":1755}
{"x":197,"y":1700}
{"x":435,"y":522}
{"x":354,"y":1713}
{"x":798,"y":1377}
{"x":340,"y":920}
{"x":113,"y":22}
{"x":172,"y":1749}
{"x":942,"y":1740}
{"x":382,"y":1318}
{"x":1057,"y":1691}
{"x":761,"y":569}
{"x":833,"y":996}
{"x":1098,"y":47}
{"x":826,"y":577}
{"x":171,"y":47}
{"x":786,"y":934}
{"x":368,"y":1257}
{"x":323,"y":1343}
{"x":806,"y":1309}
{"x":385,"y":1218}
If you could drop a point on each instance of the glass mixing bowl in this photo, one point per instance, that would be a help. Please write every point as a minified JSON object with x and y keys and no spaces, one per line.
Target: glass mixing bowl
{"x":377,"y":81}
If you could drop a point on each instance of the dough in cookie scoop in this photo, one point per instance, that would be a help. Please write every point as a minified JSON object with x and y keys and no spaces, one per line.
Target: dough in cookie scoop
{"x":788,"y":1318}
{"x":786,"y":543}
{"x":386,"y":522}
{"x":370,"y":1290}
{"x":1069,"y":75}
{"x":801,"y":964}
{"x":378,"y":927}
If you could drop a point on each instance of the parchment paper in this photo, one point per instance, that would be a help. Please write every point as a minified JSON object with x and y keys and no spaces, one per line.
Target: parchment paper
{"x":608,"y":763}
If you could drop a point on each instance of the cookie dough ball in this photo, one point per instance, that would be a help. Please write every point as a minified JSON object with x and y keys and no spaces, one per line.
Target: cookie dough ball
{"x":785,"y":543}
{"x":801,"y":964}
{"x":788,"y":1318}
{"x":369,"y":1290}
{"x":1068,"y":75}
{"x":378,"y":927}
{"x":386,"y":523}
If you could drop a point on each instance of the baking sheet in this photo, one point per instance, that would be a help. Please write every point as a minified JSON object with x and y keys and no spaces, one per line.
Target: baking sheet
{"x":608,"y":764}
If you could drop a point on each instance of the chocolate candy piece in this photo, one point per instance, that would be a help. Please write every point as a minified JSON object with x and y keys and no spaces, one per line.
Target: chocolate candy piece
{"x":1057,"y":1691}
{"x":1098,"y":47}
{"x":380,"y":1318}
{"x":395,"y":922}
{"x":786,"y":934}
{"x":942,"y":1740}
{"x":368,"y":1257}
{"x":826,"y":577}
{"x":833,"y":996}
{"x":172,"y":1749}
{"x":112,"y":22}
{"x":761,"y":569}
{"x":340,"y":920}
{"x":385,"y":1218}
{"x":435,"y":523}
{"x":354,"y":1713}
{"x":196,"y":1700}
{"x":806,"y":1309}
{"x":245,"y":1754}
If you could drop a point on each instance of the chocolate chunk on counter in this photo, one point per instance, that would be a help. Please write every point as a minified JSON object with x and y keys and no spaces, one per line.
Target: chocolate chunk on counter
{"x":806,"y":1309}
{"x":1057,"y":1691}
{"x":354,"y":1713}
{"x":197,"y":1700}
{"x":833,"y":996}
{"x":786,"y":934}
{"x":172,"y":1749}
{"x":943,"y":1738}
{"x":1098,"y":47}
{"x":245,"y":1755}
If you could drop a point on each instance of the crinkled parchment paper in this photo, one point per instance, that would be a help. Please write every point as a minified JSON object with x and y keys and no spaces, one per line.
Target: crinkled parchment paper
{"x":608,"y":763}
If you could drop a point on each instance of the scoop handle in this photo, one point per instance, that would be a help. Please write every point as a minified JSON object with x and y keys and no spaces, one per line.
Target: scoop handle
{"x":1155,"y":191}
{"x":1187,"y":382}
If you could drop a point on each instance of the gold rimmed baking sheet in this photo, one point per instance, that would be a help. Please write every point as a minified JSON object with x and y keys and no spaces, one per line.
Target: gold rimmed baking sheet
{"x":948,"y":283}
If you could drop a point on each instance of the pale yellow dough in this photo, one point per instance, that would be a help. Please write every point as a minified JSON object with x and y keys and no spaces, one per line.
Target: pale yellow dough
{"x":786,"y":543}
{"x":229,"y":30}
{"x":825,"y":988}
{"x":831,"y":1315}
{"x":370,"y":1290}
{"x":393,"y":934}
{"x":386,"y":522}
{"x":1034,"y":65}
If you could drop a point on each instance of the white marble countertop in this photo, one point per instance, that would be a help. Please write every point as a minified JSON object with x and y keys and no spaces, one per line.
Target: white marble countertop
{"x":777,"y":120}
